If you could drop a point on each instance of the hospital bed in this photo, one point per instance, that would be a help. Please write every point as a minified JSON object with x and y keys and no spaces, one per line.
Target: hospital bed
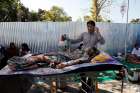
{"x":89,"y":69}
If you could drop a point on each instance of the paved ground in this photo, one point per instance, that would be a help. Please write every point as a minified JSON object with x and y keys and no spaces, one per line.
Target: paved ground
{"x":106,"y":87}
{"x":115,"y":87}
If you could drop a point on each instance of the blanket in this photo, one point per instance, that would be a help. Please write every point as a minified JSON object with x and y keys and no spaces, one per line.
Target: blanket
{"x":48,"y":71}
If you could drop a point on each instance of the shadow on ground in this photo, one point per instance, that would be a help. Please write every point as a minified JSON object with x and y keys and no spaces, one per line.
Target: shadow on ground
{"x":68,"y":89}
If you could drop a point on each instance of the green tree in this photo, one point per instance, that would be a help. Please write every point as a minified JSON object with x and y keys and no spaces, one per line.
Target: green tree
{"x":41,"y":12}
{"x":55,"y":14}
{"x":23,"y":13}
{"x":8,"y":10}
{"x":137,"y":20}
{"x":14,"y":10}
{"x":34,"y":16}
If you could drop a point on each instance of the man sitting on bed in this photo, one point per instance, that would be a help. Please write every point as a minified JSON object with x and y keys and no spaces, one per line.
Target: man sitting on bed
{"x":92,"y":55}
{"x":134,"y":57}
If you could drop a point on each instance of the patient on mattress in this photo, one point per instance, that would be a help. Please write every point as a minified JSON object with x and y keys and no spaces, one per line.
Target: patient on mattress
{"x":30,"y":61}
{"x":92,"y":55}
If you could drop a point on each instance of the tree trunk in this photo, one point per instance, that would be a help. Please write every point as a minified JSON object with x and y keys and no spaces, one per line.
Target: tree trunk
{"x":95,"y":9}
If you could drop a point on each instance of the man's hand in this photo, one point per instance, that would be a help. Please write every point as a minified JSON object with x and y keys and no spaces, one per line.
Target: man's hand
{"x":98,"y":32}
{"x":64,"y":37}
{"x":99,"y":36}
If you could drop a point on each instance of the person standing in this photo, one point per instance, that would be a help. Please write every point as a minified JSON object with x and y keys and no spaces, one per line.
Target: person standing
{"x":90,"y":39}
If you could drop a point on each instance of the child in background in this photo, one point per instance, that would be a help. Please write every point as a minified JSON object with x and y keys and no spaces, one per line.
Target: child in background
{"x":24,"y":50}
{"x":12,"y":50}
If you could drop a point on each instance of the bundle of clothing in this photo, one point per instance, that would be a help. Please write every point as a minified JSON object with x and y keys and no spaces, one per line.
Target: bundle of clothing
{"x":101,"y":58}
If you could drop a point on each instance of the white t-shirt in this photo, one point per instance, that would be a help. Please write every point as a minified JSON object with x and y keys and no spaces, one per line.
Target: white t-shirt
{"x":136,"y":52}
{"x":27,"y":55}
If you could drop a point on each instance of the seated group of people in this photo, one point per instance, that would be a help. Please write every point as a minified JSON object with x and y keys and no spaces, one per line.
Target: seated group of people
{"x":12,"y":50}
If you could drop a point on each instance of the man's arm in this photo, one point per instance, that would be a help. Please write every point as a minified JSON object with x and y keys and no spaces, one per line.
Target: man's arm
{"x":79,"y":39}
{"x":100,"y":37}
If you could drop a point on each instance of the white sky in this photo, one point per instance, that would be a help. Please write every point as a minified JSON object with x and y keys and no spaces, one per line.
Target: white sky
{"x":79,"y":8}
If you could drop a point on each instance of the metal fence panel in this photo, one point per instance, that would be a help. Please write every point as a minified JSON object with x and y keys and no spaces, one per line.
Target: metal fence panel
{"x":44,"y":36}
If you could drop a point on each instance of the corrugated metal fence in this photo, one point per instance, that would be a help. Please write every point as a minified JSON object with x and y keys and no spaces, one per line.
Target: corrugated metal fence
{"x":44,"y":36}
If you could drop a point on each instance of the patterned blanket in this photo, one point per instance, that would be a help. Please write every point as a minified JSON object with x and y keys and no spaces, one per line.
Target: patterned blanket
{"x":47,"y":71}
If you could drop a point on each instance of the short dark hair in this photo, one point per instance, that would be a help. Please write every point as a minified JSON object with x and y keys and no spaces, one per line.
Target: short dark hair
{"x":91,"y":22}
{"x":25,"y":47}
{"x":96,"y":51}
{"x":92,"y":51}
{"x":136,"y":45}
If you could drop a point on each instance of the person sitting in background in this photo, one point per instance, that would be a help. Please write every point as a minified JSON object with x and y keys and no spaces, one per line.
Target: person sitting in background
{"x":134,"y":57}
{"x":12,"y":50}
{"x":3,"y":58}
{"x":2,"y":52}
{"x":9,"y":52}
{"x":24,"y":50}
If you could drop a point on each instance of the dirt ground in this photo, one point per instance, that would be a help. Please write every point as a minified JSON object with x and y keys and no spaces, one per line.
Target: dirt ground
{"x":113,"y":86}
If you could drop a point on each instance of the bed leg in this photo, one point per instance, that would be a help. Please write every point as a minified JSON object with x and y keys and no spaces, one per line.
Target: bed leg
{"x":122,"y":78}
{"x":122,"y":85}
{"x":96,"y":87}
{"x":53,"y":87}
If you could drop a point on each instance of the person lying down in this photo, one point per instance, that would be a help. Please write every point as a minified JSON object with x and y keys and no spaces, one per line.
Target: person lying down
{"x":92,"y":55}
{"x":30,"y":61}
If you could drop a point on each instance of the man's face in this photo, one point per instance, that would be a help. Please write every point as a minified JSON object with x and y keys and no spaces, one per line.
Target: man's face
{"x":90,"y":28}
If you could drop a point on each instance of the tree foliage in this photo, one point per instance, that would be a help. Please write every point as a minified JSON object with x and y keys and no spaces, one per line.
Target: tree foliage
{"x":55,"y":14}
{"x":8,"y":10}
{"x":14,"y":10}
{"x":23,"y":13}
{"x":137,"y":20}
